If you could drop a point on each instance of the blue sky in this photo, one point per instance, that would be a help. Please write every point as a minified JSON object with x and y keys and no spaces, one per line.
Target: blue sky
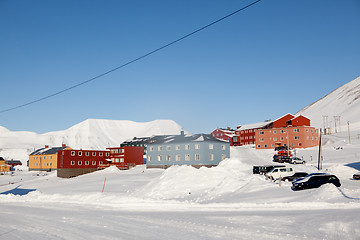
{"x":273,"y":58}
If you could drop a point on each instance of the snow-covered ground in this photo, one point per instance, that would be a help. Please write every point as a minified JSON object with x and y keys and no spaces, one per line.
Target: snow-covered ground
{"x":224,"y":202}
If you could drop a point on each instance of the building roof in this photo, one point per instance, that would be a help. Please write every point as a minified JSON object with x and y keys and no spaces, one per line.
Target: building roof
{"x":183,"y":138}
{"x":1,"y":158}
{"x":46,"y":151}
{"x":253,"y":126}
{"x":13,"y":162}
{"x":136,"y":140}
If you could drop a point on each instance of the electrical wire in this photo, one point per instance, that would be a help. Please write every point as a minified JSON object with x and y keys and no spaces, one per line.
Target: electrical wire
{"x":130,"y":62}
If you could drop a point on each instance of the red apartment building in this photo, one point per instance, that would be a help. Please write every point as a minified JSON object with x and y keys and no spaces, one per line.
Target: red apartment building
{"x":126,"y":157}
{"x":295,"y":132}
{"x":261,"y":134}
{"x":223,"y":134}
{"x":72,"y":163}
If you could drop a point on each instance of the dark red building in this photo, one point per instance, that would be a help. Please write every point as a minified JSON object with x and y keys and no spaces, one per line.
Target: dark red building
{"x":126,"y":157}
{"x":225,"y":134}
{"x":72,"y":163}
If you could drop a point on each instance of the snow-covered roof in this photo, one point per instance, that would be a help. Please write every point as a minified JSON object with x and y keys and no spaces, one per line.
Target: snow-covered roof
{"x":183,"y":138}
{"x":45,"y":151}
{"x":253,"y":126}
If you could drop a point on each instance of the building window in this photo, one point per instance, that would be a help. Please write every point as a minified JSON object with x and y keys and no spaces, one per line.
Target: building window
{"x":80,"y":153}
{"x":168,"y":158}
{"x":93,"y":162}
{"x":100,"y":154}
{"x":211,"y":157}
{"x":197,"y":146}
{"x":272,"y":145}
{"x":151,"y":149}
{"x":292,"y":145}
{"x":275,"y":139}
{"x":265,"y":146}
{"x":187,"y":147}
{"x":159,"y":158}
{"x":296,"y":130}
{"x":261,"y":132}
{"x":300,"y":144}
{"x":282,"y":139}
{"x":211,"y":146}
{"x":86,"y":162}
{"x":178,"y":158}
{"x":72,"y":153}
{"x":168,"y":148}
{"x":122,"y":150}
{"x":121,"y":159}
{"x":79,"y":162}
{"x":197,"y":157}
{"x":261,"y":139}
{"x":107,"y":154}
{"x":223,"y":156}
{"x":159,"y":148}
{"x":296,"y":137}
{"x":281,"y":131}
{"x":223,"y":147}
{"x":87,"y":154}
{"x":275,"y":131}
{"x":187,"y":157}
{"x":149,"y":158}
{"x":94,"y":154}
{"x":177,"y":147}
{"x":258,"y":146}
{"x":72,"y":162}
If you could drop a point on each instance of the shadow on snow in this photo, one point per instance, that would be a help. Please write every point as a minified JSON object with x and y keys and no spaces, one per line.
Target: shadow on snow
{"x":355,"y":165}
{"x":18,"y":191}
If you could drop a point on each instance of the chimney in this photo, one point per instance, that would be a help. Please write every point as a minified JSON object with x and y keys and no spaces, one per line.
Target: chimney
{"x":46,"y":146}
{"x":63,"y":145}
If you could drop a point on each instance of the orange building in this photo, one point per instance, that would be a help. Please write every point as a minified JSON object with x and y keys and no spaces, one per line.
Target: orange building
{"x":293,"y":136}
{"x":45,"y":159}
{"x":3,"y":166}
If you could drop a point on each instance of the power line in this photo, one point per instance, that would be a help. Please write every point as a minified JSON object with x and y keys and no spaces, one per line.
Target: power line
{"x":130,"y":62}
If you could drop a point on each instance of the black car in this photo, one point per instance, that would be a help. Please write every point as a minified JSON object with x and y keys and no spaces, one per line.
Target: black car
{"x":295,"y":176}
{"x":264,"y":169}
{"x":315,"y":180}
{"x":356,"y":176}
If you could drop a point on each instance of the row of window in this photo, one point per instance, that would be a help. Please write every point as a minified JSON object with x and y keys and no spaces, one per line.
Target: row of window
{"x":44,"y":164}
{"x":86,"y":163}
{"x":80,"y":153}
{"x":43,"y":157}
{"x":273,"y":145}
{"x":284,"y":131}
{"x":186,"y":157}
{"x":282,"y":138}
{"x":187,"y":147}
{"x":117,"y":151}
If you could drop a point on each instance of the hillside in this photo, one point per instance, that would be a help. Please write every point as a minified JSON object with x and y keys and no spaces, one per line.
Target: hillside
{"x":343,"y":102}
{"x":89,"y":134}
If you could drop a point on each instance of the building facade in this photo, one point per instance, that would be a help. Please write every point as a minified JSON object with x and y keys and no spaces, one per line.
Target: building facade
{"x":225,"y":134}
{"x":72,"y":163}
{"x":45,"y":159}
{"x":195,"y":150}
{"x":126,"y":157}
{"x":292,"y":136}
{"x":3,"y":166}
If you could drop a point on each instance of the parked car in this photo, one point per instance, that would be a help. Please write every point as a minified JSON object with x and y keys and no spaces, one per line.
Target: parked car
{"x":295,"y":176}
{"x":281,"y":159}
{"x":264,"y":169}
{"x":315,"y":180}
{"x":296,"y":160}
{"x":278,"y":172}
{"x":356,"y":176}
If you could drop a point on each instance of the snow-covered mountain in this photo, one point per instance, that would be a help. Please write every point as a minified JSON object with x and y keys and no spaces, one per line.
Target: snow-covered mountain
{"x":343,"y":103}
{"x":89,"y":134}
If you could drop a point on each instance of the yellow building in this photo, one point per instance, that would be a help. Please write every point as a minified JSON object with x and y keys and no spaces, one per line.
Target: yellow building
{"x":45,"y":159}
{"x":3,"y":166}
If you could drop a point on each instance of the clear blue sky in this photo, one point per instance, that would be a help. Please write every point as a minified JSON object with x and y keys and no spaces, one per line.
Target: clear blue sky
{"x":273,"y":58}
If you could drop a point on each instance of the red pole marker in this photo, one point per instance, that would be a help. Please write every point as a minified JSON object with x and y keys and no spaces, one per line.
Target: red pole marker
{"x":104,"y":185}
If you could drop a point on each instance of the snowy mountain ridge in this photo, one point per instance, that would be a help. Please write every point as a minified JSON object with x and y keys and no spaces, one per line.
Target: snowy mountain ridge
{"x":343,"y":103}
{"x":89,"y":134}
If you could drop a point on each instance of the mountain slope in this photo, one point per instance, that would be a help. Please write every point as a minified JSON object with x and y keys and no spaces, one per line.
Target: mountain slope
{"x":343,"y":102}
{"x":89,"y":134}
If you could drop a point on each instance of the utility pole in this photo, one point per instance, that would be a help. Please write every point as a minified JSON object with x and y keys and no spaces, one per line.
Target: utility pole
{"x":320,"y":153}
